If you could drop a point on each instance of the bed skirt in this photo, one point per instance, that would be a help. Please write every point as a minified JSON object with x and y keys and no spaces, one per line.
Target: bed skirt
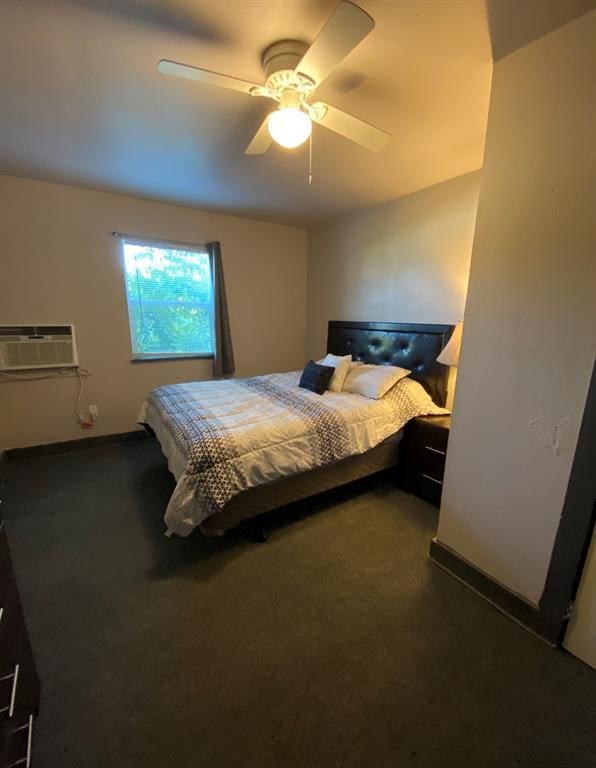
{"x":265,"y":498}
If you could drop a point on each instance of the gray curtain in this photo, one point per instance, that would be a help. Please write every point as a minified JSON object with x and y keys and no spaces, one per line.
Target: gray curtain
{"x":223,"y":358}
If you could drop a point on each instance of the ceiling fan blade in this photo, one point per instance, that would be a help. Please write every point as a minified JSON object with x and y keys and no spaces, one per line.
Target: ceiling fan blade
{"x":205,"y":76}
{"x":349,"y":126}
{"x":261,"y":141}
{"x":342,"y":32}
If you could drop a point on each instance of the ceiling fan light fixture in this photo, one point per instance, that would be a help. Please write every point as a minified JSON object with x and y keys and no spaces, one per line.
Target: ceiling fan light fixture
{"x":289,"y":126}
{"x":293,"y":73}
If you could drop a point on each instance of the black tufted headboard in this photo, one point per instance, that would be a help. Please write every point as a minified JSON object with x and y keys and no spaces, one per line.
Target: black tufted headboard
{"x":408,"y":345}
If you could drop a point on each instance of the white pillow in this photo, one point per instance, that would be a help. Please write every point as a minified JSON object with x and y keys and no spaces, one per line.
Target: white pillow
{"x":341,"y":365}
{"x":373,"y":381}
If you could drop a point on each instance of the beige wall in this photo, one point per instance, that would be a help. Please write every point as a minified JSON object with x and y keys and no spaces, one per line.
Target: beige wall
{"x":406,"y":260}
{"x":530,"y":321}
{"x":59,"y":263}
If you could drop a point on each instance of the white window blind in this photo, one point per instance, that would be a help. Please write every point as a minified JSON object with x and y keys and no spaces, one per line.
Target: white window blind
{"x":170,"y":299}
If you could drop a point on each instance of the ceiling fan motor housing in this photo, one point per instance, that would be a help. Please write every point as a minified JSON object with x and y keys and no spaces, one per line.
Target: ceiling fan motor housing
{"x":279,"y":62}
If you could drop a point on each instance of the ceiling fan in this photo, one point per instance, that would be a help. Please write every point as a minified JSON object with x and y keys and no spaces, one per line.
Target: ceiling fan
{"x":294,"y":71}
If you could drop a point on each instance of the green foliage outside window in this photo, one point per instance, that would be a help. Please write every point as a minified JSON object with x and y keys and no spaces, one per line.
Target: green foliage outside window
{"x":170,"y":300}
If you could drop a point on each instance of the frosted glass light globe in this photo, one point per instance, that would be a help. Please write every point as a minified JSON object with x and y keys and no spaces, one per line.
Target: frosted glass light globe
{"x":289,"y":127}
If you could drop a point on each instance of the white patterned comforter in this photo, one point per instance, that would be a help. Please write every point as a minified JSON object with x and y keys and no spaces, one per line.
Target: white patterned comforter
{"x":224,"y":437}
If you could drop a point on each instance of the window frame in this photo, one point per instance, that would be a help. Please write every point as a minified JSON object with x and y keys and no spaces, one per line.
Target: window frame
{"x":199,"y":248}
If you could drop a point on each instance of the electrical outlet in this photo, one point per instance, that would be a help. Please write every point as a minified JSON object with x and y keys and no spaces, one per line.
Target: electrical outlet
{"x":93,"y":411}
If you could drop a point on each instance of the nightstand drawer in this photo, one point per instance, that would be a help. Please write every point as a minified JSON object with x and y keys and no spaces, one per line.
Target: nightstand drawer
{"x":429,"y":487}
{"x":435,"y":451}
{"x":431,"y":435}
{"x":24,"y":688}
{"x":17,"y":742}
{"x":5,"y":565}
{"x":12,"y":630}
{"x":431,"y":463}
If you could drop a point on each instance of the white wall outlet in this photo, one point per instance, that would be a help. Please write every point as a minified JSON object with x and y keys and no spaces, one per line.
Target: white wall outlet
{"x":93,"y":411}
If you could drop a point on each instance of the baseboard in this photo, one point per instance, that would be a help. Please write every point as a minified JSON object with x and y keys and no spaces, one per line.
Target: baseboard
{"x":512,"y":605}
{"x":75,"y":445}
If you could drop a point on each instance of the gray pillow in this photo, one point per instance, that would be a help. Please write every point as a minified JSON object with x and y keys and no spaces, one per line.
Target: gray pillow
{"x":316,"y":377}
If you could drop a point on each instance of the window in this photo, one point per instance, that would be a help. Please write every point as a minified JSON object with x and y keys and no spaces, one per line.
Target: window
{"x":170,"y":300}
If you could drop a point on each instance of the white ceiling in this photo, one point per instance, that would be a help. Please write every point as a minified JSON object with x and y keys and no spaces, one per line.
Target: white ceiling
{"x":83,"y":102}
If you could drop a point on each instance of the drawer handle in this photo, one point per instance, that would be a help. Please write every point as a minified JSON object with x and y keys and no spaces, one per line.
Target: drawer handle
{"x":13,"y":694}
{"x":434,"y":479}
{"x":435,"y":450}
{"x":25,"y":761}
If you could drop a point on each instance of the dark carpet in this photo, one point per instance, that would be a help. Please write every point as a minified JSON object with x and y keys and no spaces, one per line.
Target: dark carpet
{"x":336,"y":643}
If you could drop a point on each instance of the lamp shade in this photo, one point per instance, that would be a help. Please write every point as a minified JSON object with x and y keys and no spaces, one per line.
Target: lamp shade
{"x":450,"y":355}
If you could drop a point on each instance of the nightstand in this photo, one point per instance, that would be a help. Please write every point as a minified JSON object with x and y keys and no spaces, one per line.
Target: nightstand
{"x":422,"y":455}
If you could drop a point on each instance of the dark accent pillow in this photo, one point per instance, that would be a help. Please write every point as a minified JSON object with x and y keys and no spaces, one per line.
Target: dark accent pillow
{"x":316,"y":377}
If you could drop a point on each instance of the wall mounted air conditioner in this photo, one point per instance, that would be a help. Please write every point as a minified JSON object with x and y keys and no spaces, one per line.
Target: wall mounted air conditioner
{"x":37,"y":346}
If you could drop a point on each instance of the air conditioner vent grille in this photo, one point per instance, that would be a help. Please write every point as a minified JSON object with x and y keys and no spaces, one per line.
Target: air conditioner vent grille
{"x":23,"y":347}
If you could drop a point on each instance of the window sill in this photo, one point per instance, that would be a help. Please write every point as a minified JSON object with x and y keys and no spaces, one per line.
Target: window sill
{"x":161,"y":358}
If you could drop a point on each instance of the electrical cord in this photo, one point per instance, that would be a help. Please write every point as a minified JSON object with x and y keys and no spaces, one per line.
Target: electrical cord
{"x":60,"y":373}
{"x":85,"y":423}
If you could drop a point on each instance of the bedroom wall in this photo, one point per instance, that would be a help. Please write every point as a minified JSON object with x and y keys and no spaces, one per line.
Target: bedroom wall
{"x":405,"y":260}
{"x":530,"y":321}
{"x":59,"y":263}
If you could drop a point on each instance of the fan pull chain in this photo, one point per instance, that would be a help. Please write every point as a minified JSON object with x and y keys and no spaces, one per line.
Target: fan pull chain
{"x":310,"y":159}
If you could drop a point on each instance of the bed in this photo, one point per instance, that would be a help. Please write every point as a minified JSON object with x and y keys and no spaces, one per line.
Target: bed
{"x":242,"y":447}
